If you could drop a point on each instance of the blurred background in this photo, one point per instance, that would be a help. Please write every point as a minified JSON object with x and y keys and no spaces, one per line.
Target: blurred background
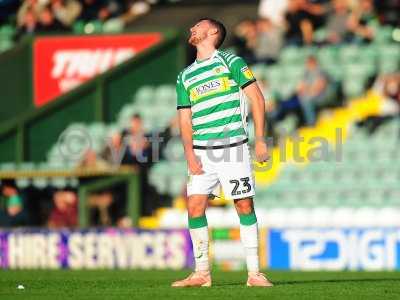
{"x":90,"y":154}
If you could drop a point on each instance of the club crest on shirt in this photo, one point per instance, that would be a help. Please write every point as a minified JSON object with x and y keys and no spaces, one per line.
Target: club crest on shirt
{"x":219,"y":70}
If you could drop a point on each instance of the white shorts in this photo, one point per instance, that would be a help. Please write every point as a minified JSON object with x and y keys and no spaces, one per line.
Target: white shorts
{"x":230,"y":168}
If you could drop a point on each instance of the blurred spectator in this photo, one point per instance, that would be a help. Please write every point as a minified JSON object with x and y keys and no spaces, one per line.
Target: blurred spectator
{"x":269,"y":41}
{"x":338,"y":22}
{"x":388,"y":87}
{"x":299,"y":29}
{"x":12,"y":212}
{"x":363,"y":20}
{"x":65,"y":211}
{"x":135,"y":9}
{"x":102,"y":9}
{"x":48,"y":23}
{"x":29,"y":25}
{"x":66,"y":11}
{"x":90,"y":9}
{"x":138,"y":152}
{"x":93,"y":161}
{"x":112,"y":9}
{"x":312,"y":89}
{"x":29,"y":7}
{"x":114,"y":151}
{"x":245,"y":40}
{"x":312,"y":92}
{"x":100,"y":203}
{"x":273,"y":10}
{"x":317,"y":10}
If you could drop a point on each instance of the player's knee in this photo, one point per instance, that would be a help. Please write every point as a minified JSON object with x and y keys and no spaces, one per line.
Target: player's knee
{"x":194,"y":211}
{"x":244,"y":206}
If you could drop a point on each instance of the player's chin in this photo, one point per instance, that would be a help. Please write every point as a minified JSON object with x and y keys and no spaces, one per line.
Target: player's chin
{"x":193,"y":41}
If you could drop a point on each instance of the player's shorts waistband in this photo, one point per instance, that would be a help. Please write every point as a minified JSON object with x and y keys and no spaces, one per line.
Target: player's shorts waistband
{"x":221,"y":146}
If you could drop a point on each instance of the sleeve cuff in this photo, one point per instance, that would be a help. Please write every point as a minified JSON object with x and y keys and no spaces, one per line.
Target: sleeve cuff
{"x":248,"y":83}
{"x":183,"y":106}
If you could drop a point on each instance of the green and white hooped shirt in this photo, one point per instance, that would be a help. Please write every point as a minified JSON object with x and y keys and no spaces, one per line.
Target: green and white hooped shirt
{"x":212,"y":90}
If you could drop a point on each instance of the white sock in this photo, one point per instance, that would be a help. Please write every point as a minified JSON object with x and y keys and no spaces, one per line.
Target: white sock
{"x":200,"y":248}
{"x":249,"y":238}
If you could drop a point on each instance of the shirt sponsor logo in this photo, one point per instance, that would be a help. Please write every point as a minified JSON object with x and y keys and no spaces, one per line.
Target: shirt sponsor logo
{"x":209,"y":88}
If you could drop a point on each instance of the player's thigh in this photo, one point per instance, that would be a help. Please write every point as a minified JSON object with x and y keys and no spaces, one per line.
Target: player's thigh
{"x":199,"y":187}
{"x":236,"y":174}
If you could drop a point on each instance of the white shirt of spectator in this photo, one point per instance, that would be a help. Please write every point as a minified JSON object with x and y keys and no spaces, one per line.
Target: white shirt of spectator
{"x":273,"y":10}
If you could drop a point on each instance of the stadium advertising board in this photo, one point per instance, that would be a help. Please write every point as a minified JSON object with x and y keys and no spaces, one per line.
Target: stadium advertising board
{"x":334,"y":249}
{"x":91,"y":249}
{"x":227,"y":252}
{"x":64,"y":62}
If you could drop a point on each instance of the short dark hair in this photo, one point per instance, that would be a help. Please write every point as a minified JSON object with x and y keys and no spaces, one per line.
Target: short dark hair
{"x":9,"y":183}
{"x":221,"y":30}
{"x":136,"y":116}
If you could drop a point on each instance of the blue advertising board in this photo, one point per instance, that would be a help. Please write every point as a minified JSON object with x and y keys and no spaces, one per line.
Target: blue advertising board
{"x":334,"y":248}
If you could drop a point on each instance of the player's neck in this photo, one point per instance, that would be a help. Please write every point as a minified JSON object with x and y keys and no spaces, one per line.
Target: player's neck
{"x":204,"y":52}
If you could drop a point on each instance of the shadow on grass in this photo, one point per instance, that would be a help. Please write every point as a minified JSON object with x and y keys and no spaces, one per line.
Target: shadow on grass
{"x":300,"y":282}
{"x":336,"y":281}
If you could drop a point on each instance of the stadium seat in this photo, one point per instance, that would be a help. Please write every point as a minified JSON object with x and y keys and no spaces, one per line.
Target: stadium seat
{"x":113,"y":25}
{"x":383,"y":34}
{"x":353,"y":182}
{"x":389,"y":58}
{"x":327,"y":55}
{"x":125,"y":115}
{"x":91,"y":27}
{"x":349,"y":53}
{"x":292,"y":55}
{"x":5,"y":44}
{"x":144,"y":95}
{"x":78,"y":27}
{"x":58,"y":182}
{"x":9,"y":166}
{"x":259,"y":71}
{"x":174,"y":150}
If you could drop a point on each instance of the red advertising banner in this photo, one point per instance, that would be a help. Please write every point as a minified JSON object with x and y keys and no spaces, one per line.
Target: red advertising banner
{"x":64,"y":62}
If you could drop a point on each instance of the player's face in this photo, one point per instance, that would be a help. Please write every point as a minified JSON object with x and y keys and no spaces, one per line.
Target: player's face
{"x":199,"y":32}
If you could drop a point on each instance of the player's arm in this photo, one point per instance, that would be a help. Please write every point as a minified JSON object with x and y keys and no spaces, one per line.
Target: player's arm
{"x":185,"y":126}
{"x":244,"y":77}
{"x":256,"y":98}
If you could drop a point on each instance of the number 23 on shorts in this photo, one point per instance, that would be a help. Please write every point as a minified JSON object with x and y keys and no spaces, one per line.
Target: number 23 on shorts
{"x":241,"y":183}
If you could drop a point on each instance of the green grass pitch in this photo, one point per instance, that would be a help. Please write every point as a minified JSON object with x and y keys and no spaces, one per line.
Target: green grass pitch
{"x":154,"y":285}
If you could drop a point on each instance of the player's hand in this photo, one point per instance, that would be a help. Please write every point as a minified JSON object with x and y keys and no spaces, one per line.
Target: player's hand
{"x":194,"y":165}
{"x":261,"y":151}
